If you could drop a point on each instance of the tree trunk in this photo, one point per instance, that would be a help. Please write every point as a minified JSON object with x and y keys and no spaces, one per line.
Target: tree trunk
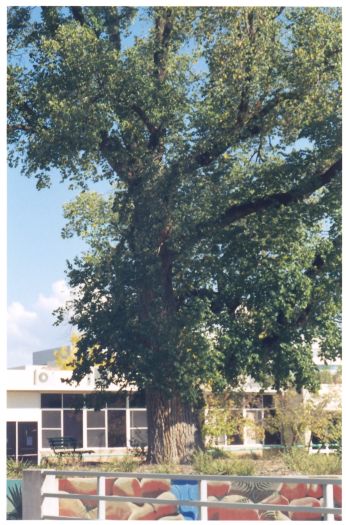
{"x":174,"y":431}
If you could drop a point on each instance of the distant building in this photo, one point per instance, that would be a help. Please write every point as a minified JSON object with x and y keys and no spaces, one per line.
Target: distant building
{"x":45,"y":357}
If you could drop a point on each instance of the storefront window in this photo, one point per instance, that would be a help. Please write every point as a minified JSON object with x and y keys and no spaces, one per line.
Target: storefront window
{"x":73,"y":425}
{"x":104,"y":419}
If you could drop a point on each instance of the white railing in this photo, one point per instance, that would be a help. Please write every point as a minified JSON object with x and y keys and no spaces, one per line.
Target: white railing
{"x":41,"y":494}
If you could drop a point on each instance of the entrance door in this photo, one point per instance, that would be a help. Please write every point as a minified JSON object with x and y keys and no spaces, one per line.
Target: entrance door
{"x":27,"y":441}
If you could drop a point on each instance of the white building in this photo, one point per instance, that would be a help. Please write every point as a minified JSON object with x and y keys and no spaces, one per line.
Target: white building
{"x":41,"y":406}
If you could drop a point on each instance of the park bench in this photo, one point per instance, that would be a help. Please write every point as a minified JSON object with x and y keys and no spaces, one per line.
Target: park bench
{"x":66,"y":446}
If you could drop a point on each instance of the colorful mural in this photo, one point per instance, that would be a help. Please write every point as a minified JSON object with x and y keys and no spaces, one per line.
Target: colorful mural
{"x":14,"y":499}
{"x":268,"y":492}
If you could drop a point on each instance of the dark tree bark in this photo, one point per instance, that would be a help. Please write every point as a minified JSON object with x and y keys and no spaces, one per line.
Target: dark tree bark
{"x":174,"y":431}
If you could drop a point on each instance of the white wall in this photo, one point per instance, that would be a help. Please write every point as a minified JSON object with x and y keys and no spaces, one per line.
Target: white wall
{"x":45,"y":379}
{"x":23,"y":406}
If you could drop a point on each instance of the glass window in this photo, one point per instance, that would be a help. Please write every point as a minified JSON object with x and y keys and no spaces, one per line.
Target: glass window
{"x":235,"y":439}
{"x":139,"y":437}
{"x":75,"y":401}
{"x":51,"y":418}
{"x":253,"y":401}
{"x":95,"y":419}
{"x":139,"y":418}
{"x":96,"y":438}
{"x":49,"y":434}
{"x":116,"y":400}
{"x":96,"y":401}
{"x":268,"y":401}
{"x":73,"y":425}
{"x":116,"y":428}
{"x":27,"y":437}
{"x":11,"y":438}
{"x":50,"y":400}
{"x":272,"y":439}
{"x":137,"y":399}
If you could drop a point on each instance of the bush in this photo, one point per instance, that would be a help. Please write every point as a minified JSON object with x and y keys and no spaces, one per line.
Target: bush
{"x":15,"y":468}
{"x":204,"y":463}
{"x":301,"y":461}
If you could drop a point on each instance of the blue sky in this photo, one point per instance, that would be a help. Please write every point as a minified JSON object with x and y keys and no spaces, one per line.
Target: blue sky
{"x":36,"y":262}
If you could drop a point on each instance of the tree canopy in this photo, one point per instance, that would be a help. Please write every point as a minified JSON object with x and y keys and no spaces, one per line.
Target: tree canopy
{"x":216,"y":254}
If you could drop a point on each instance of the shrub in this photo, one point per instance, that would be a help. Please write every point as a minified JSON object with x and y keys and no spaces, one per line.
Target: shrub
{"x":301,"y":461}
{"x":15,"y":468}
{"x":204,"y":463}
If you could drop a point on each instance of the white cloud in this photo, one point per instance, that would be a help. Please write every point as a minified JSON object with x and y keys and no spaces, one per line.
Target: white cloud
{"x":20,"y":321}
{"x":32,"y":329}
{"x":61,"y":293}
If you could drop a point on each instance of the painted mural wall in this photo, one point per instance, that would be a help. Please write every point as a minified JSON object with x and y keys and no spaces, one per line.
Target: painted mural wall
{"x":288,"y":494}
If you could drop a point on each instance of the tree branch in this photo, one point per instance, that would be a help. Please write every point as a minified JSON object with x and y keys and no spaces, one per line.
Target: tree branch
{"x":78,"y":15}
{"x":163,"y":30}
{"x":156,"y":132}
{"x":246,"y":126}
{"x":276,"y":200}
{"x":116,"y":155}
{"x":112,"y":20}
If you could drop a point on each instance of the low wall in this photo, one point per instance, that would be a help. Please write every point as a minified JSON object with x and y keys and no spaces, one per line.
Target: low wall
{"x":266,"y":492}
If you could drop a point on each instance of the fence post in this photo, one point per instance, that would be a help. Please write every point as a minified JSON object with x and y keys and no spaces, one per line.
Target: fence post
{"x":31,"y":494}
{"x":101,"y":491}
{"x":328,"y":499}
{"x":203,"y":496}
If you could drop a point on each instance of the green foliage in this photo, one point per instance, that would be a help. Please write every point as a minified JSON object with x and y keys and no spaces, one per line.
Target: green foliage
{"x":15,"y":468}
{"x":294,"y":417}
{"x":205,"y":463}
{"x":221,"y":418}
{"x":300,"y":461}
{"x":216,"y":253}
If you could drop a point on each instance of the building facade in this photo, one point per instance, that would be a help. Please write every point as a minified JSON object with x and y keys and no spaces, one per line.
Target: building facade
{"x":40,"y":405}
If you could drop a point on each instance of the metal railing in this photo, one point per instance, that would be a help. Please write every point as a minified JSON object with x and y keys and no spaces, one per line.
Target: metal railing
{"x":40,"y":488}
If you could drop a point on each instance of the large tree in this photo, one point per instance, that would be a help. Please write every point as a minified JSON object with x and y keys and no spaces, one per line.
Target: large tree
{"x":216,"y":254}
